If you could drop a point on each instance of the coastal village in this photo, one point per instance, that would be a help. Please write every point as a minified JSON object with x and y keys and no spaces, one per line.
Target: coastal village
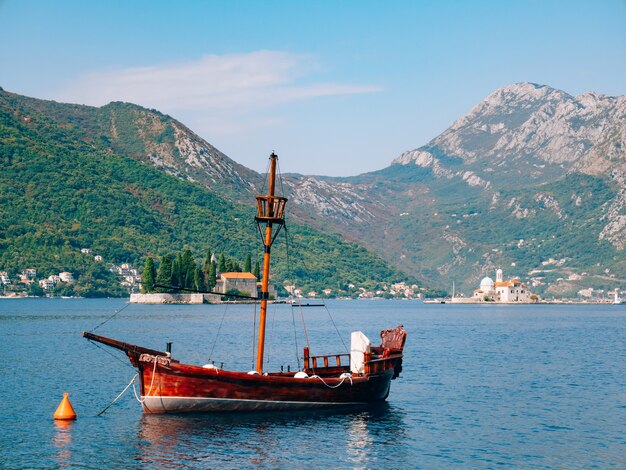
{"x":29,"y":282}
{"x":501,"y":291}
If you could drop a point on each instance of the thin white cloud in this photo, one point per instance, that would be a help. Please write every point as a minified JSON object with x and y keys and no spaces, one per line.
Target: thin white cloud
{"x":232,"y":83}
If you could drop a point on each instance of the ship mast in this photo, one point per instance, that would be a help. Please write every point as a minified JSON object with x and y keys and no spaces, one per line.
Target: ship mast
{"x":270,"y":211}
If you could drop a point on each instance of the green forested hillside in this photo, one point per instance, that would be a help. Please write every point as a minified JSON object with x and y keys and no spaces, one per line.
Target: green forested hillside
{"x":548,"y":234}
{"x":64,"y":186}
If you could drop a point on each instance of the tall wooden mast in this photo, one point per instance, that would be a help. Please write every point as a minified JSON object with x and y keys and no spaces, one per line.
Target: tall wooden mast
{"x":270,"y":210}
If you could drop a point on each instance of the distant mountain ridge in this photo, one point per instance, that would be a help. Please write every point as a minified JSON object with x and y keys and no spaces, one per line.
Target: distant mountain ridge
{"x":535,"y":125}
{"x":531,"y":180}
{"x":127,"y":182}
{"x":529,"y":175}
{"x":532,"y":131}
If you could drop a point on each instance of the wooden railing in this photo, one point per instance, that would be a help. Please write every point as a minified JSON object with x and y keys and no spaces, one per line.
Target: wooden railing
{"x":328,"y":361}
{"x":376,"y":361}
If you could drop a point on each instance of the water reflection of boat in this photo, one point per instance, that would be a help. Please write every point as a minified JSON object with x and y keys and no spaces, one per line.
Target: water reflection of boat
{"x":361,"y":377}
{"x":268,"y":440}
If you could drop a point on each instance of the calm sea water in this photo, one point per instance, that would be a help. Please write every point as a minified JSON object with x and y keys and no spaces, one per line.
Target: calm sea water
{"x":482,"y":387}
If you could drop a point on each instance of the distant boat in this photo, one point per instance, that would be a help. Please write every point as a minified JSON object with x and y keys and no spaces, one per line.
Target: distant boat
{"x":361,"y":377}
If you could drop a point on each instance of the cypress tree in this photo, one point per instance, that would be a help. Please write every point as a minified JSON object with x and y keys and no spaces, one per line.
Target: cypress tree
{"x":198,"y":279}
{"x":164,"y":274}
{"x":187,"y":270}
{"x":222,"y":264}
{"x":211,"y":281}
{"x":206,"y":266}
{"x":148,"y":276}
{"x":176,"y":279}
{"x":257,"y":270}
{"x":248,"y":265}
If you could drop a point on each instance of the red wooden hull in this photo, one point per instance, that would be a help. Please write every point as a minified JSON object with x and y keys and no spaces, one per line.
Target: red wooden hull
{"x":175,"y":387}
{"x":167,"y":386}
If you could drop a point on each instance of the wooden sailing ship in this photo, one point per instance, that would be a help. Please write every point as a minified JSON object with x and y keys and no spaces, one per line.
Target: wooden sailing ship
{"x":361,"y":377}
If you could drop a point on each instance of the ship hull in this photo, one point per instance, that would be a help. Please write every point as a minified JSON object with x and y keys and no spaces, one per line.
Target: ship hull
{"x":170,"y":387}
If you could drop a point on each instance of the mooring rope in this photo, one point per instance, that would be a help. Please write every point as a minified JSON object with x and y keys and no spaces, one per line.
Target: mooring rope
{"x":132,"y":382}
{"x":118,"y":397}
{"x":156,"y":360}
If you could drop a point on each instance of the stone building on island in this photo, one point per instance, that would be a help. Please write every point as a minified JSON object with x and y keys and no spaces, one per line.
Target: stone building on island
{"x":246,"y":283}
{"x":509,"y":291}
{"x":242,"y":282}
{"x":501,"y":291}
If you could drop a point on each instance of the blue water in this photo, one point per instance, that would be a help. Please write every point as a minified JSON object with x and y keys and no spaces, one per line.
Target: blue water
{"x":482,"y":387}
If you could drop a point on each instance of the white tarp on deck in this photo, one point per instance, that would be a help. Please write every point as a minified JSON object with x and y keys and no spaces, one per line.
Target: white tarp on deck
{"x":359,"y":345}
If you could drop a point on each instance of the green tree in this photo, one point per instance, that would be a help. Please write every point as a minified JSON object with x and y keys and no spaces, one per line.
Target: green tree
{"x":148,"y":277}
{"x":164,"y":274}
{"x":198,"y":280}
{"x":248,"y":264}
{"x":257,"y":270}
{"x":35,"y":290}
{"x":187,"y":270}
{"x":176,"y":279}
{"x":222,"y":264}
{"x":206,"y":267}
{"x":211,"y":281}
{"x":207,"y":259}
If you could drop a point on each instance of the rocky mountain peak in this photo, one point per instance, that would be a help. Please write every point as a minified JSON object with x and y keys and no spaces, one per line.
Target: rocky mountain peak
{"x":526,"y":128}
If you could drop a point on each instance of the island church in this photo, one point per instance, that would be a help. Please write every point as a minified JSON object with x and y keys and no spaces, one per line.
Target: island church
{"x":508,"y":291}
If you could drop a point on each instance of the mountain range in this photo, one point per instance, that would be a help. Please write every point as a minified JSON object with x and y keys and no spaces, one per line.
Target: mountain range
{"x":126,"y":183}
{"x":530,"y":180}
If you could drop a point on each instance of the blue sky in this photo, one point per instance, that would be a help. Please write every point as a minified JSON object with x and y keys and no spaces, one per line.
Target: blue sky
{"x":334,"y":87}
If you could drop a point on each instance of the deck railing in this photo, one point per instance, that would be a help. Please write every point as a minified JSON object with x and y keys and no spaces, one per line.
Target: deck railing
{"x":326,"y":361}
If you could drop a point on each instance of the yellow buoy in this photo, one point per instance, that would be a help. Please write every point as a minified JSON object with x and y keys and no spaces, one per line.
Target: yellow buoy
{"x":65,"y":410}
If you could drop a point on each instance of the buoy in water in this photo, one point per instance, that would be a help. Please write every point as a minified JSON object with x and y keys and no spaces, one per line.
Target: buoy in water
{"x":65,"y":410}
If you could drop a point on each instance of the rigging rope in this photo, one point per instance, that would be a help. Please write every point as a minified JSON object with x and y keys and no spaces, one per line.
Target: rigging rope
{"x":126,"y":363}
{"x":280,"y":178}
{"x":324,"y":304}
{"x":295,"y":336}
{"x":336,"y":329}
{"x":267,"y":172}
{"x":293,"y":319}
{"x":270,"y":335}
{"x":306,"y":332}
{"x":218,"y":332}
{"x":112,"y":316}
{"x":254,"y":338}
